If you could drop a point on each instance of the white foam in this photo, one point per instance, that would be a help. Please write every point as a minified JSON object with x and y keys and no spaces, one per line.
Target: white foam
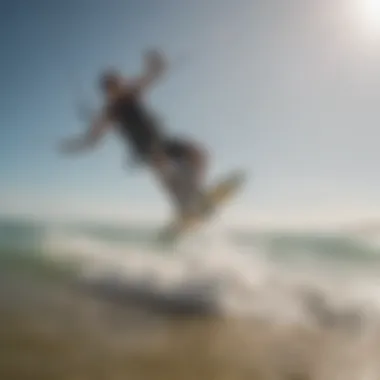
{"x":250,"y":283}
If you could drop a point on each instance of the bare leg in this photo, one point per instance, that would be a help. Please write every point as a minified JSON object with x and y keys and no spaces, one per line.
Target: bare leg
{"x":192,"y":178}
{"x":170,"y":180}
{"x":183,"y":180}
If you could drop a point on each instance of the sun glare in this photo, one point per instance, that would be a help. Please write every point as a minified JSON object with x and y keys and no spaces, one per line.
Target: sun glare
{"x":369,"y":12}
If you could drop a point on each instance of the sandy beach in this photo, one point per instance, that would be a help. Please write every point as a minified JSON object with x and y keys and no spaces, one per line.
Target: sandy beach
{"x":48,"y":331}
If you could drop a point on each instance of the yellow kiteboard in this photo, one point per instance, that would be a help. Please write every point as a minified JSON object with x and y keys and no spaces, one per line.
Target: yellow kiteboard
{"x":215,"y":196}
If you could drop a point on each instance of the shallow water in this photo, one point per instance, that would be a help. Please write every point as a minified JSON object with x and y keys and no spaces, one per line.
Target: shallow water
{"x":303,"y":312}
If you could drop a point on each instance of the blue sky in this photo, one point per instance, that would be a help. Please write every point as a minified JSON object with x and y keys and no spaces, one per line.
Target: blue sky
{"x":287,"y":90}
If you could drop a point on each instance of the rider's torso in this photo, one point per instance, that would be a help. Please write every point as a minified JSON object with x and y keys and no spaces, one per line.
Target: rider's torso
{"x":134,"y":121}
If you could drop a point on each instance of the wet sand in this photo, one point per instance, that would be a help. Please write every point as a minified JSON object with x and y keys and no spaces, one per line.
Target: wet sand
{"x":49,"y":331}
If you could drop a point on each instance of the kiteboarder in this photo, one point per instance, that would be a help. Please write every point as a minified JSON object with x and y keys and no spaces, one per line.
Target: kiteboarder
{"x":178,"y":164}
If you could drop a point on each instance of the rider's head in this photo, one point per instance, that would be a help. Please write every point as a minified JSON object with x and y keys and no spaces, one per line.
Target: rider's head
{"x":111,"y":82}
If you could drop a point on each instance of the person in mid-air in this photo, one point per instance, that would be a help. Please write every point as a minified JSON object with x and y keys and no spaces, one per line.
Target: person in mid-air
{"x":178,"y":164}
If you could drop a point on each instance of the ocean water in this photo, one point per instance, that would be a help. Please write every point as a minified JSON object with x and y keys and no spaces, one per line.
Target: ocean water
{"x":221,"y":304}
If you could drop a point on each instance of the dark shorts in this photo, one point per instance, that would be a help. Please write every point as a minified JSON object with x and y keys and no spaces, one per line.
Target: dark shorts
{"x":178,"y":150}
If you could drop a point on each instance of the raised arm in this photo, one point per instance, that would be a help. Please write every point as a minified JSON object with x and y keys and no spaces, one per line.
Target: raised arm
{"x":97,"y":129}
{"x":155,"y":66}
